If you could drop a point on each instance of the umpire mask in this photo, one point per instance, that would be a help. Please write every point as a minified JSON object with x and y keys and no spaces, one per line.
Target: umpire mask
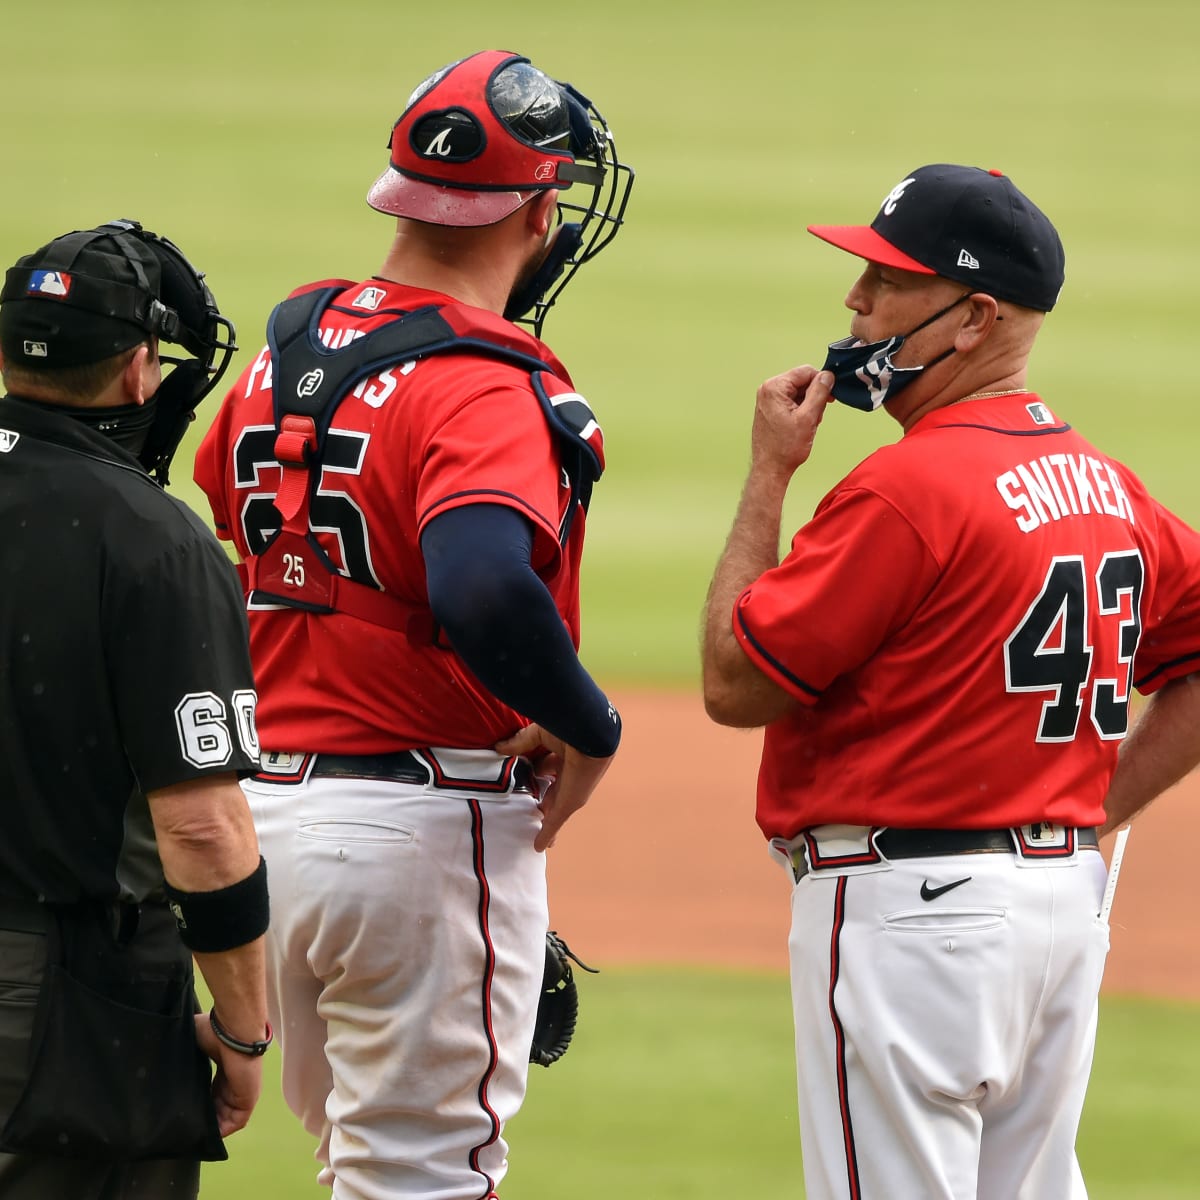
{"x":864,"y":376}
{"x":90,"y":294}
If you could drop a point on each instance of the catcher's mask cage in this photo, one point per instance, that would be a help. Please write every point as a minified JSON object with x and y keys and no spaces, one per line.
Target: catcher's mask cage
{"x":585,"y":228}
{"x":181,"y":310}
{"x":480,"y":138}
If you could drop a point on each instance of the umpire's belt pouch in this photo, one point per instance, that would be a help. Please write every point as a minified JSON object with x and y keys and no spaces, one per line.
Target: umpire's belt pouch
{"x":110,"y":1080}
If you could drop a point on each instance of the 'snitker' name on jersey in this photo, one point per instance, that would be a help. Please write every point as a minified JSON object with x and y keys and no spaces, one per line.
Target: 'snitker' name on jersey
{"x":1055,"y":486}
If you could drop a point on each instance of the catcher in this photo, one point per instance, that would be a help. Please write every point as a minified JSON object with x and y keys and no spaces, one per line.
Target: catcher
{"x":406,"y":475}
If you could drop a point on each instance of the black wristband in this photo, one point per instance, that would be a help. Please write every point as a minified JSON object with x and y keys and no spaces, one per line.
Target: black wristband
{"x":212,"y":922}
{"x":251,"y":1049}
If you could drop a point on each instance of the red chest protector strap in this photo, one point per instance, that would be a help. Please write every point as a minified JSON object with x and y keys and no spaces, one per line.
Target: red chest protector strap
{"x":310,"y":380}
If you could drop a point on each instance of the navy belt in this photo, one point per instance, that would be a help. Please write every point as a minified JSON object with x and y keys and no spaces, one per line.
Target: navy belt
{"x":895,"y":843}
{"x":401,"y":766}
{"x":929,"y":843}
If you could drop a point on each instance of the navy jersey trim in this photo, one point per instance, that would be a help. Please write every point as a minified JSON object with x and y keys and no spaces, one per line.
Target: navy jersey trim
{"x":1041,"y":432}
{"x":518,"y":502}
{"x":489,"y":972}
{"x":1164,"y":667}
{"x":853,"y":1183}
{"x":761,"y":649}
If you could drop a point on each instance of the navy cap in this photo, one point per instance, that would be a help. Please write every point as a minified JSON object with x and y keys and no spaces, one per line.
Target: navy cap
{"x":79,"y":299}
{"x":965,"y":224}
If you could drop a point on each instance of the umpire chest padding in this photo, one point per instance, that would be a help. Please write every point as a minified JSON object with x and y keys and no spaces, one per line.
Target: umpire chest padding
{"x":310,"y":380}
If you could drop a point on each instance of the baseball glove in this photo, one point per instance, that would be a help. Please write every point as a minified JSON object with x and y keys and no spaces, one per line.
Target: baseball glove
{"x":558,"y":1006}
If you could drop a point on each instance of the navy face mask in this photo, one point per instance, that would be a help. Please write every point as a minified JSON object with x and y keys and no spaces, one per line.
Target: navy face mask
{"x":864,"y":374}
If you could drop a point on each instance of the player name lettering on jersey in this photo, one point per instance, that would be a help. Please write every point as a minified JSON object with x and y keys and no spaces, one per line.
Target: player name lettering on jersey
{"x":1057,"y":486}
{"x":374,"y":390}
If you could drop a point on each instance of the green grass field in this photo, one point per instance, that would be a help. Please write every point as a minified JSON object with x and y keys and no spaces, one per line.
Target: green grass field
{"x":680,"y":1086}
{"x":248,"y":133}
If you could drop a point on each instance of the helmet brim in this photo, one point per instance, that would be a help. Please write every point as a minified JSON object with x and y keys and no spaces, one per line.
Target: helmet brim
{"x":401,"y":196}
{"x":866,"y":243}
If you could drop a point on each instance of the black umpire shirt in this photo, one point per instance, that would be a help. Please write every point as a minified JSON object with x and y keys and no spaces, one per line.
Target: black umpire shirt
{"x":124,"y":664}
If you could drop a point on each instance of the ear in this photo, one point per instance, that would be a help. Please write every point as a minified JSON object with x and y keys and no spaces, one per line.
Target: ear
{"x":981,"y":315}
{"x":541,"y":213}
{"x":142,"y":374}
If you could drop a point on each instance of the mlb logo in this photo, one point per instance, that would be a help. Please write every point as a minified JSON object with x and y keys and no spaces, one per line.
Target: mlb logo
{"x":36,"y":350}
{"x":1040,"y":413}
{"x":48,"y":283}
{"x":370,"y":297}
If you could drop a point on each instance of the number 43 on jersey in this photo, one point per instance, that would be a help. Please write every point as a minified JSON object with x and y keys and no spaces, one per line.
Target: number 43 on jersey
{"x":1050,"y":651}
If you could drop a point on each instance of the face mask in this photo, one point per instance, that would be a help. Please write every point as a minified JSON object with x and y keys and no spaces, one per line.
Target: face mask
{"x":864,"y":374}
{"x":127,"y":425}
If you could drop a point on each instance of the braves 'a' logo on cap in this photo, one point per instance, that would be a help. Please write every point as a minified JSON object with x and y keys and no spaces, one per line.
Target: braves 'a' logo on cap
{"x":893,"y":197}
{"x":48,"y":283}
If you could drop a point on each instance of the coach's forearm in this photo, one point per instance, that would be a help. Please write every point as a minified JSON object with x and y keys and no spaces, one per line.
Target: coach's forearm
{"x":736,"y":692}
{"x":1162,"y":747}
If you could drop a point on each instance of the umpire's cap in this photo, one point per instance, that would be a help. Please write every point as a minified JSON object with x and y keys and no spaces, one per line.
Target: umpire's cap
{"x":80,"y":299}
{"x":965,"y":224}
{"x":477,"y":140}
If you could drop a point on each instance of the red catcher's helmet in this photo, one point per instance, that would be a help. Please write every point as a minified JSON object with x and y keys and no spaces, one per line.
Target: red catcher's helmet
{"x":484,"y":135}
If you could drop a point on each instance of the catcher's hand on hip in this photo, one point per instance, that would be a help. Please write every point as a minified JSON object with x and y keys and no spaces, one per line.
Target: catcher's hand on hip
{"x":573,"y":776}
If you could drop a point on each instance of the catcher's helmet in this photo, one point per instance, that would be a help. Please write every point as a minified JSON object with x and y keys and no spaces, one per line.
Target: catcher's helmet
{"x":92,"y":293}
{"x":484,"y":135}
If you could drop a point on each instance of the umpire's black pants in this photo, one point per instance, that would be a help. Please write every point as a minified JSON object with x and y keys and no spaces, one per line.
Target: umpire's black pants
{"x":34,"y":1177}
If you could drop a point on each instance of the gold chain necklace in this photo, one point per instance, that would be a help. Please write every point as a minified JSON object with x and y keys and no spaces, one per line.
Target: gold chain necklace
{"x":992,"y":395}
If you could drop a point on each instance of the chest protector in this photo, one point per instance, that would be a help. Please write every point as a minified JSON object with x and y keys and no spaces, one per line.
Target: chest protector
{"x":310,"y":381}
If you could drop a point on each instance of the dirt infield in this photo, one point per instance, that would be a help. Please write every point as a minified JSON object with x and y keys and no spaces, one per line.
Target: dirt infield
{"x":666,"y":864}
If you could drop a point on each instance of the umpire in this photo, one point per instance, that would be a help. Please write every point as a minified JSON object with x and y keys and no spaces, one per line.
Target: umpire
{"x":126,"y":716}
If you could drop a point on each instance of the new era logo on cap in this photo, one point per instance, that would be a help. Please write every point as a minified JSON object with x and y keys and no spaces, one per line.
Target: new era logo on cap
{"x":48,"y":283}
{"x":967,"y":259}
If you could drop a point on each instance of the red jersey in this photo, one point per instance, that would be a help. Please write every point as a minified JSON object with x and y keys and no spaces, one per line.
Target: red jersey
{"x":410,"y":442}
{"x":962,"y":622}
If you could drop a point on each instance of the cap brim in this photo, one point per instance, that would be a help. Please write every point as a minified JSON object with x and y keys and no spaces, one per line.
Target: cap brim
{"x":400,"y":196}
{"x":866,"y":243}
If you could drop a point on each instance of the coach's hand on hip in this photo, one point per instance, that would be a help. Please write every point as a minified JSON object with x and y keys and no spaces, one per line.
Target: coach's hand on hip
{"x":574,"y":776}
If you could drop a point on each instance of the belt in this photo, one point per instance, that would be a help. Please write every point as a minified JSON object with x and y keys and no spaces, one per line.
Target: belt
{"x":26,"y":916}
{"x":895,"y":843}
{"x":929,"y":843}
{"x":401,"y":766}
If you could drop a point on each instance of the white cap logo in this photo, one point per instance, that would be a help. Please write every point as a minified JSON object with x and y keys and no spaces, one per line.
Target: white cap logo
{"x":893,"y":197}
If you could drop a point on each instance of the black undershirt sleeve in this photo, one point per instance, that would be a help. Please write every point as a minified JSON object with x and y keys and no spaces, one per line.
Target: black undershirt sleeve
{"x":503,"y":623}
